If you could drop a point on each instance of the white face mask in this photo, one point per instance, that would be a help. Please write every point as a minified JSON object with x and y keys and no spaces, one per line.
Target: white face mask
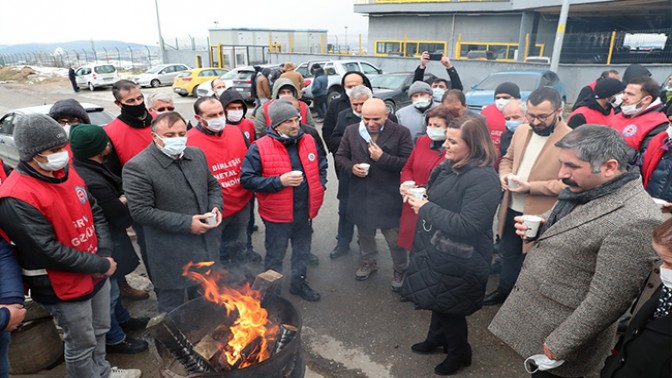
{"x":422,"y":102}
{"x":436,"y":133}
{"x":616,"y":102}
{"x":500,"y":103}
{"x":437,"y":94}
{"x":234,"y":115}
{"x":216,"y":124}
{"x":173,"y":146}
{"x":219,"y":92}
{"x":348,"y":92}
{"x":542,"y":363}
{"x":286,"y":97}
{"x":55,"y":162}
{"x":632,"y":110}
{"x":66,"y":128}
{"x":666,"y":277}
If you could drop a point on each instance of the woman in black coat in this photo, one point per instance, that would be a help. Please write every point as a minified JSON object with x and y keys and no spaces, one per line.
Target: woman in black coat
{"x":453,"y":241}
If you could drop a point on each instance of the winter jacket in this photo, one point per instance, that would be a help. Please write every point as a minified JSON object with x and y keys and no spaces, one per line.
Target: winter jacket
{"x":414,"y":119}
{"x":455,"y":82}
{"x":320,"y":83}
{"x":296,"y":78}
{"x":11,"y":284}
{"x":590,"y":112}
{"x":462,"y":206}
{"x":657,"y":168}
{"x":638,"y":130}
{"x":260,"y":115}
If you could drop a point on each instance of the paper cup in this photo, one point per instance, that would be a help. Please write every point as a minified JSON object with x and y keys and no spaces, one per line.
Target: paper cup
{"x":510,"y":182}
{"x":211,"y":219}
{"x":418,"y":193}
{"x":296,"y":173}
{"x":659,"y":202}
{"x":365,"y":166}
{"x":533,"y":223}
{"x":408,"y":184}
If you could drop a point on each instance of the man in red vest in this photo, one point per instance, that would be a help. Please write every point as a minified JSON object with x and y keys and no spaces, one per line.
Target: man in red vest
{"x":63,"y":243}
{"x":504,"y":93}
{"x":225,"y":147}
{"x":640,"y":118}
{"x":598,"y":108}
{"x":289,"y":174}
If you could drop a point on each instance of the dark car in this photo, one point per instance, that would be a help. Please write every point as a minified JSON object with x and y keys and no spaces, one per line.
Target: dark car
{"x":393,"y":88}
{"x":242,"y":82}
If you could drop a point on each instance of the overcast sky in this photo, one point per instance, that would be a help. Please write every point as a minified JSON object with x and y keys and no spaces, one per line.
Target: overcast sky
{"x":35,"y":21}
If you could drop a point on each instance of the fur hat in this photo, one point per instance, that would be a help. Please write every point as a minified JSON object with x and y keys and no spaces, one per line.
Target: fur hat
{"x":34,"y":133}
{"x":280,"y":111}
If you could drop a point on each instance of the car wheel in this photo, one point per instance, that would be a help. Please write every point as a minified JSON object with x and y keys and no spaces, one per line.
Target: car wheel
{"x":194,"y":91}
{"x":91,"y":87}
{"x":391,"y":107}
{"x":183,"y":94}
{"x":155,"y":83}
{"x":332,"y":95}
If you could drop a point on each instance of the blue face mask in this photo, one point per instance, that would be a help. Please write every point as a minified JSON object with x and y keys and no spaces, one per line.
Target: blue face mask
{"x":512,"y":125}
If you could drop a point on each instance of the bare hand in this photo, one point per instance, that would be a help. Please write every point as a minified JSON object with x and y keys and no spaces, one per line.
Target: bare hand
{"x":375,"y":151}
{"x":667,"y":208}
{"x":504,"y":182}
{"x":198,"y":225}
{"x":446,"y":62}
{"x":548,"y":353}
{"x":415,"y":203}
{"x":288,"y":179}
{"x":521,"y":227}
{"x":403,"y":191}
{"x":358,"y":171}
{"x":522,"y":187}
{"x":16,"y":314}
{"x":112,"y":268}
{"x":218,"y":214}
{"x":123,"y":200}
{"x":424,"y":58}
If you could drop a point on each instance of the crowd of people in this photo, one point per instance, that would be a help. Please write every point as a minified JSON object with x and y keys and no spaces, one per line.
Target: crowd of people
{"x":580,"y":231}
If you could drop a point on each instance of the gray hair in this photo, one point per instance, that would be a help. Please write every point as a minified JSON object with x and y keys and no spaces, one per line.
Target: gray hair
{"x":361,"y":91}
{"x":517,"y":102}
{"x":159,"y":97}
{"x":596,"y":144}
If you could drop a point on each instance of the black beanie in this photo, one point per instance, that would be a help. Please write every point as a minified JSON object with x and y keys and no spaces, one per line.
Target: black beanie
{"x":508,"y":88}
{"x":87,"y":140}
{"x":607,"y":87}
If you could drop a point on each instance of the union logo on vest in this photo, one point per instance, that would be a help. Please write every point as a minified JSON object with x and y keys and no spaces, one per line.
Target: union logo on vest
{"x":81,"y":194}
{"x":311,"y":156}
{"x":630,"y":130}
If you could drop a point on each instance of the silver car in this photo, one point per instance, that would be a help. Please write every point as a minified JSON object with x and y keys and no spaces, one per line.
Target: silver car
{"x":8,"y":152}
{"x":163,"y":74}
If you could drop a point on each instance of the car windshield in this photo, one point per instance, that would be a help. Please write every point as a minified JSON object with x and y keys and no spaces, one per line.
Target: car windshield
{"x":388,"y":81}
{"x":154,"y":69}
{"x":229,"y":75}
{"x":526,"y":82}
{"x":104,"y":69}
{"x":100,"y":118}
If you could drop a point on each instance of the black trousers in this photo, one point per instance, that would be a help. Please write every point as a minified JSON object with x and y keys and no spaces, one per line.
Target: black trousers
{"x":277,"y":240}
{"x":450,"y":331}
{"x":511,"y":252}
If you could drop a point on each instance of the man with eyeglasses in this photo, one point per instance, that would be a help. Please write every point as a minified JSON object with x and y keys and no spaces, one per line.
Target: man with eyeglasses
{"x":160,"y":103}
{"x":69,"y":112}
{"x":531,"y":162}
{"x":289,"y":175}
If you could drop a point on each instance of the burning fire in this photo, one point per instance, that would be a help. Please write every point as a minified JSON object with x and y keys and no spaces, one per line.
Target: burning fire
{"x":251,"y":332}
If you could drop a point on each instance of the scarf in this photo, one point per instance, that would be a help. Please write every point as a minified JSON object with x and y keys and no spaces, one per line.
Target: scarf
{"x":136,"y":122}
{"x":568,"y":200}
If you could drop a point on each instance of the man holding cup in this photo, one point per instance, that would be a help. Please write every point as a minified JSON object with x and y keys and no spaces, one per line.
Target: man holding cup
{"x":373,"y":153}
{"x":289,"y":173}
{"x":590,"y":257}
{"x":528,"y":174}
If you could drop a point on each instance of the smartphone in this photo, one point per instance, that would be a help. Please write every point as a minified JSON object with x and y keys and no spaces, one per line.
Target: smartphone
{"x":435,"y":56}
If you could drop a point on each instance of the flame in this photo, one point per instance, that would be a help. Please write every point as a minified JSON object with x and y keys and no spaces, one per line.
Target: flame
{"x":252,"y":323}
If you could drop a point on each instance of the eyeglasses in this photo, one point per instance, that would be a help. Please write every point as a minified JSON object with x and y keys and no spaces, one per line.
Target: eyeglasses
{"x":68,"y":121}
{"x":539,"y":117}
{"x":165,"y":109}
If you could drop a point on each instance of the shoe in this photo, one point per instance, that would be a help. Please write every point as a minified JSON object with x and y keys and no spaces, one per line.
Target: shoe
{"x":339,"y":251}
{"x":253,"y":256}
{"x":398,"y":281}
{"x":115,"y":372}
{"x":134,"y":324}
{"x":426,"y":347}
{"x":301,"y":288}
{"x":453,"y":363}
{"x":129,"y":292}
{"x":365,"y":270}
{"x":312,"y":259}
{"x":494,"y":298}
{"x":128,"y":346}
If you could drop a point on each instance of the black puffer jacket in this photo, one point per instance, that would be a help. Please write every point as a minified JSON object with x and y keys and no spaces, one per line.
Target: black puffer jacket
{"x":462,"y":206}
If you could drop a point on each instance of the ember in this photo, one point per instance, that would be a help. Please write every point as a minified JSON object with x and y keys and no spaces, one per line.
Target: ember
{"x":248,"y":340}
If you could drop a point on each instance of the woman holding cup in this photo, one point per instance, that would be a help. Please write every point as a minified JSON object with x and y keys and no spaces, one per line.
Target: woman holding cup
{"x":426,"y":155}
{"x":453,"y":240}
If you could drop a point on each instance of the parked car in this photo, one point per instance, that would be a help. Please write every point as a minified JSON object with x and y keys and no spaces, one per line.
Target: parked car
{"x":483,"y":93}
{"x":8,"y":152}
{"x":393,"y":88}
{"x":205,"y":89}
{"x":335,"y":69}
{"x":163,"y":74}
{"x":186,"y":82}
{"x":94,"y":76}
{"x":240,"y":78}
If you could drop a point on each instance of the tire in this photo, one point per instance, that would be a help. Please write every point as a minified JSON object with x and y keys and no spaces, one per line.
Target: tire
{"x":183,"y":94}
{"x":91,"y":87}
{"x":194,"y":91}
{"x":391,"y":107}
{"x":155,"y":83}
{"x":332,"y":95}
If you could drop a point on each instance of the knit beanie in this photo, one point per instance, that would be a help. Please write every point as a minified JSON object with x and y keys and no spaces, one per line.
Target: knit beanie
{"x":280,"y":111}
{"x":69,"y":108}
{"x":419,"y":87}
{"x":607,"y":87}
{"x":34,"y":133}
{"x":87,"y":140}
{"x":508,"y":88}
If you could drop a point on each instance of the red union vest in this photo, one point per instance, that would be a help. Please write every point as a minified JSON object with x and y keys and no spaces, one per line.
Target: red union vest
{"x":496,"y":123}
{"x":303,"y":112}
{"x":635,"y":129}
{"x":592,"y":116}
{"x":225,"y":156}
{"x":66,"y":206}
{"x":279,"y":206}
{"x":247,"y":127}
{"x":652,"y":156}
{"x":127,"y":141}
{"x":3,"y":174}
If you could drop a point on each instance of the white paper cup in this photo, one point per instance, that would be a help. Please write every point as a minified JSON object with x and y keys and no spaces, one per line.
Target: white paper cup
{"x":659,"y":202}
{"x":533,"y":223}
{"x":211,"y":219}
{"x":510,"y":182}
{"x":365,"y":166}
{"x":296,"y":173}
{"x":418,"y":193}
{"x":408,"y":184}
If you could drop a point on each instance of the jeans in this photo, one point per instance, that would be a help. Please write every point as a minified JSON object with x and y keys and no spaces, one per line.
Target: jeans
{"x":234,"y":236}
{"x":118,"y":315}
{"x":277,"y":240}
{"x":5,"y":338}
{"x":84,"y":326}
{"x":170,"y":299}
{"x":511,"y":251}
{"x":367,"y":242}
{"x":321,"y":105}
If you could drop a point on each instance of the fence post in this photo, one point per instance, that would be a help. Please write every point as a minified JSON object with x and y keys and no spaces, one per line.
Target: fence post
{"x":149,"y":56}
{"x":611,"y":46}
{"x":132,"y":63}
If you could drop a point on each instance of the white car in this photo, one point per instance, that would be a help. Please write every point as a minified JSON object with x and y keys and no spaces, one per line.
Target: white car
{"x":163,"y":74}
{"x":335,"y":69}
{"x":94,"y":76}
{"x":205,"y":88}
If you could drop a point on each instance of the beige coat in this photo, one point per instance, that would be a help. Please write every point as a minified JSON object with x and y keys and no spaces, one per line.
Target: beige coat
{"x":296,"y":78}
{"x":544,"y":183}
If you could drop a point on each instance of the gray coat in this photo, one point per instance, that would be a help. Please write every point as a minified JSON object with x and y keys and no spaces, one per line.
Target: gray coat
{"x":163,"y":194}
{"x":579,"y":278}
{"x":413,"y":119}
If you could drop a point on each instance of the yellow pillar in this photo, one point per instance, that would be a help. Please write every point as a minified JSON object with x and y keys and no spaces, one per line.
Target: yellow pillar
{"x":527,"y":47}
{"x":359,"y":51}
{"x":403,"y":48}
{"x":322,"y":43}
{"x":611,"y":46}
{"x":291,"y":43}
{"x":458,"y":45}
{"x":270,"y":43}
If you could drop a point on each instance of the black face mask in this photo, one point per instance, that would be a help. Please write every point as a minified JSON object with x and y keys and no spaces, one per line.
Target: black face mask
{"x":137,"y":111}
{"x":548,"y":130}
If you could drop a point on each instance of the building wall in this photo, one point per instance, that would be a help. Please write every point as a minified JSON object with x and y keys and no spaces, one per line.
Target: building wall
{"x":298,"y":41}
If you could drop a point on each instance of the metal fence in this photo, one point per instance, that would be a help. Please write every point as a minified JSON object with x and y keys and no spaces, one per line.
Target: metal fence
{"x":122,"y":57}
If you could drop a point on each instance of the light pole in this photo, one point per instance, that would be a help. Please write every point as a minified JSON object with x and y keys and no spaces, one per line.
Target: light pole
{"x":347,"y":48}
{"x":559,"y":36}
{"x":158,"y":24}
